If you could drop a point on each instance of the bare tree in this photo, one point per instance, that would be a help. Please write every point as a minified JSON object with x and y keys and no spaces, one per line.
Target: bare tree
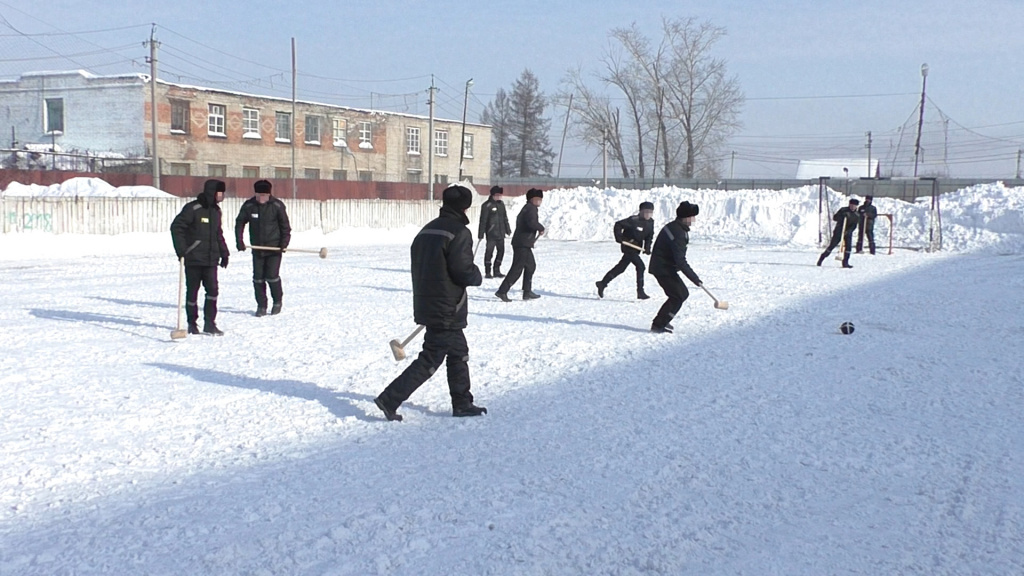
{"x":596,"y":123}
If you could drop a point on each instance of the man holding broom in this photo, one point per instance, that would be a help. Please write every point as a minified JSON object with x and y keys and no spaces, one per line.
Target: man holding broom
{"x":268,"y":226}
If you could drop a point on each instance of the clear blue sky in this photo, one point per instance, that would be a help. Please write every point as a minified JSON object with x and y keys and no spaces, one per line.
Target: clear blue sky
{"x":818,"y":74}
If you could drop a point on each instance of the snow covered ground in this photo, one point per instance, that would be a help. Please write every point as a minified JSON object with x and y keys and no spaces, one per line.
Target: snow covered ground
{"x":755,"y":440}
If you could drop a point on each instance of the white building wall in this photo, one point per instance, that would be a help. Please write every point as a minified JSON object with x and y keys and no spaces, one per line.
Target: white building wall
{"x":101,"y":113}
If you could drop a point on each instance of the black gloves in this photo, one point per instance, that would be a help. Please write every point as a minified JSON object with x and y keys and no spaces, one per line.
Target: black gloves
{"x":648,"y":252}
{"x":240,"y":246}
{"x":224,"y":261}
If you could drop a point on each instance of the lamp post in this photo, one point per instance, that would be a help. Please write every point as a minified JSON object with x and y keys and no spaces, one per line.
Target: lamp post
{"x":920,"y":120}
{"x":462,"y":149}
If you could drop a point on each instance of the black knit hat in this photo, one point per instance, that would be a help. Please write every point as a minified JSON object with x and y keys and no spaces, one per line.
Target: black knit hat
{"x":262,"y":187}
{"x":646,"y":206}
{"x":685,"y":210}
{"x":457,"y":197}
{"x":534,"y":193}
{"x":496,"y":190}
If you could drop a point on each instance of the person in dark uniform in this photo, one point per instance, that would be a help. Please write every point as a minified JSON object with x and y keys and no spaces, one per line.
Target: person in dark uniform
{"x":494,"y":227}
{"x":846,"y":219}
{"x":528,"y":229}
{"x":442,"y":268}
{"x":634,"y":234}
{"x":867,"y":213}
{"x":668,"y":257}
{"x":268,"y":226}
{"x":199,"y":239}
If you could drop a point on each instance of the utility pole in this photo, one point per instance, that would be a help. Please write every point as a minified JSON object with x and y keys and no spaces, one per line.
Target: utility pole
{"x":462,"y":149}
{"x":870,"y":175}
{"x":604,"y":158}
{"x":294,"y":120}
{"x":565,"y":129}
{"x":1018,"y":162}
{"x":152,"y":104}
{"x":732,"y":164}
{"x":430,"y":142}
{"x":920,"y":120}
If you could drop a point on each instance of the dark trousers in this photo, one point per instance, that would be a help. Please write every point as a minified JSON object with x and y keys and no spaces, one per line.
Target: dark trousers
{"x":494,"y":245}
{"x":438,"y":345}
{"x":837,"y":236}
{"x":628,"y":258}
{"x":677,"y":293}
{"x":523,"y":264}
{"x":867,"y":228}
{"x":207,"y":276}
{"x":266,"y":269}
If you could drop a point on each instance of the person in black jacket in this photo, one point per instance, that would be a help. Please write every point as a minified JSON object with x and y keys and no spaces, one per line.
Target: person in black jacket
{"x":199,"y":239}
{"x":528,"y":229}
{"x":867,"y":213}
{"x":268,"y":226}
{"x":442,"y":268}
{"x":669,"y":256}
{"x":633,"y":235}
{"x":846,"y":219}
{"x":494,"y":227}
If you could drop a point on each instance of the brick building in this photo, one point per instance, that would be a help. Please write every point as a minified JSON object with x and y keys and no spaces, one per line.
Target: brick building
{"x":212,"y":132}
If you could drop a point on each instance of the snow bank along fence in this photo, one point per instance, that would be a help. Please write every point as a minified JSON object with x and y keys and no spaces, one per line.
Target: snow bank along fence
{"x":89,"y":215}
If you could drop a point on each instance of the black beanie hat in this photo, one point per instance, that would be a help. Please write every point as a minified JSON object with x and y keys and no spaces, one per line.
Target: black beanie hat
{"x":534,"y":193}
{"x":496,"y":190}
{"x":262,"y":187}
{"x":685,"y":210}
{"x":646,"y":206}
{"x":457,"y":197}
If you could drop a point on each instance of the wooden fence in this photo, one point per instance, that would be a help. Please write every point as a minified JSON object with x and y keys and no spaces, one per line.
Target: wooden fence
{"x":86,"y":215}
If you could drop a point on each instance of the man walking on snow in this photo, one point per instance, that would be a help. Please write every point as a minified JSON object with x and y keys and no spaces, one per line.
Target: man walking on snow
{"x":199,"y":239}
{"x":268,"y":226}
{"x":846,"y":219}
{"x":668,"y":257}
{"x":528,"y":229}
{"x":633,"y":235}
{"x":442,"y":268}
{"x":494,"y":227}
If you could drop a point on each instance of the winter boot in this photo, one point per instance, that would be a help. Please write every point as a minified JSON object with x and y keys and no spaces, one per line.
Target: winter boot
{"x":600,"y":288}
{"x":641,"y":295}
{"x":276,"y":308}
{"x":497,"y":272}
{"x":193,"y":328}
{"x":821,"y":259}
{"x":503,"y":296}
{"x":661,"y":329}
{"x":391,"y":415}
{"x":261,"y":311}
{"x":211,"y":329}
{"x":470,"y":410}
{"x":530,"y":295}
{"x":487,"y":271}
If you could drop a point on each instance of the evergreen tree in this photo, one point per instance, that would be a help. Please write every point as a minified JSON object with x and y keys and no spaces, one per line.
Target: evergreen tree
{"x":499,"y":115}
{"x":529,"y":129}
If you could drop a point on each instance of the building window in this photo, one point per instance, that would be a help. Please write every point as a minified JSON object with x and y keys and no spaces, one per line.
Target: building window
{"x":313,"y":130}
{"x":180,"y":169}
{"x":312,"y":174}
{"x":414,"y":176}
{"x":250,"y":123}
{"x":467,"y":146}
{"x":218,"y":115}
{"x":250,"y":171}
{"x":365,"y":176}
{"x":440,"y":142}
{"x":282,"y":173}
{"x":283,"y":127}
{"x":365,"y":135}
{"x":340,"y":129}
{"x":179,"y":116}
{"x":340,"y":174}
{"x":412,"y":140}
{"x":217,"y":170}
{"x":54,"y":115}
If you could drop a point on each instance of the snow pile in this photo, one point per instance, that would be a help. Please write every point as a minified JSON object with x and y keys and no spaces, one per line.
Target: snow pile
{"x":82,"y":187}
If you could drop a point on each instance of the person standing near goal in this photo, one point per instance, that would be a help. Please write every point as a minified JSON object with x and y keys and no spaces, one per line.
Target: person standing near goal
{"x":668,"y":258}
{"x":199,"y":239}
{"x":494,"y":227}
{"x":528,"y":229}
{"x":846,"y":219}
{"x":442,"y":269}
{"x":268,"y":226}
{"x":867,"y":213}
{"x":634,"y":234}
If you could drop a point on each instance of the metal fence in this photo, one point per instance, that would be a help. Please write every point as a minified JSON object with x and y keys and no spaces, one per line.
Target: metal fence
{"x":124,"y":215}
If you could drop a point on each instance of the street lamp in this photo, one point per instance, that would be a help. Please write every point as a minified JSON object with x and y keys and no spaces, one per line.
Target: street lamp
{"x":920,"y":120}
{"x":462,"y":149}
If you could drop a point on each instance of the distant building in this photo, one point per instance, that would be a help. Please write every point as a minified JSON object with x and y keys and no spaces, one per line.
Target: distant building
{"x":834,"y":168}
{"x":212,"y":132}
